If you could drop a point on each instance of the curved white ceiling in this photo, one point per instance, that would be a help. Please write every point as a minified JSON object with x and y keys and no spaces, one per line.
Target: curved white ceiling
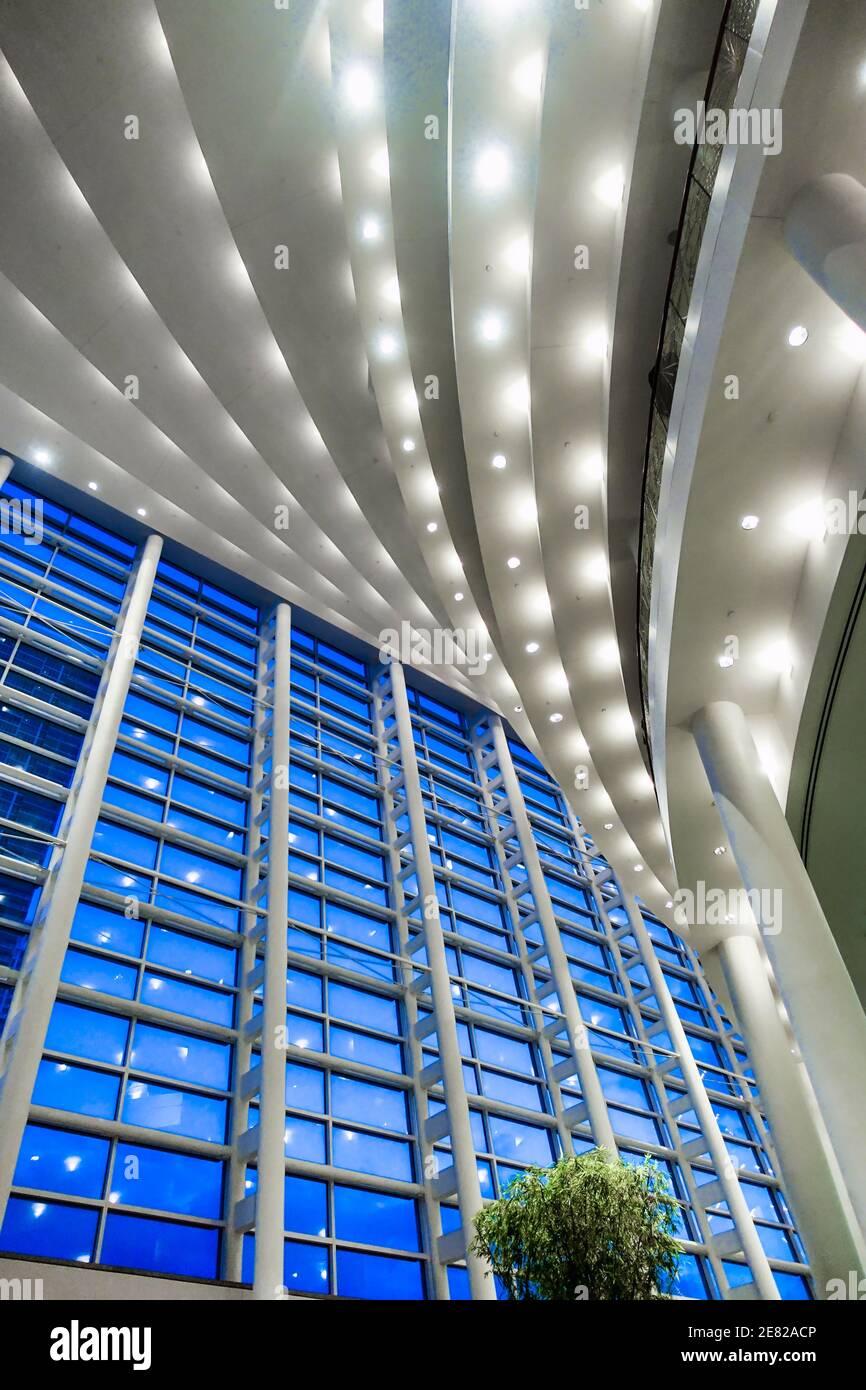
{"x":427,"y":172}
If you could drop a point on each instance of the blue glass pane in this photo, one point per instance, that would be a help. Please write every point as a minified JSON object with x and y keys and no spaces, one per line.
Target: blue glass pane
{"x":524,"y":1142}
{"x":63,"y":1087}
{"x":379,"y":1106}
{"x":306,"y":1206}
{"x":137,"y":1242}
{"x":375,"y":1218}
{"x":305,"y":1088}
{"x":377,"y":1276}
{"x":55,"y":1161}
{"x":180,"y":998}
{"x":85,"y":1033}
{"x":367,"y":1153}
{"x":191,"y":955}
{"x":305,"y":1268}
{"x":174,"y":1112}
{"x":357,"y":1047}
{"x":98,"y":927}
{"x":357,"y":1006}
{"x":181,"y":1056}
{"x":206,"y":873}
{"x":46,"y":1228}
{"x":304,"y":1139}
{"x":97,"y":973}
{"x":146,"y":1177}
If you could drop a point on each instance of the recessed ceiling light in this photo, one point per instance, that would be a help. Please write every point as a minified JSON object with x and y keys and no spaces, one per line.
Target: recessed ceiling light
{"x":141,"y":511}
{"x":608,"y":825}
{"x":491,"y":328}
{"x":749,"y":523}
{"x":669,"y":903}
{"x":373,"y":14}
{"x":720,"y":849}
{"x":798,"y":336}
{"x":556,"y":719}
{"x":809,"y":519}
{"x":518,"y":709}
{"x":610,"y":187}
{"x":491,"y":169}
{"x":513,"y":562}
{"x":387,"y":344}
{"x":498,"y":461}
{"x":638,"y":868}
{"x":380,"y":164}
{"x":517,"y":255}
{"x":532,"y":647}
{"x":94,"y":487}
{"x":527,"y":76}
{"x":596,"y":343}
{"x":458,"y":598}
{"x":778,"y":658}
{"x":725,"y":662}
{"x":41,"y":456}
{"x":408,"y":446}
{"x":359,"y":88}
{"x":432,"y":526}
{"x":371,"y":229}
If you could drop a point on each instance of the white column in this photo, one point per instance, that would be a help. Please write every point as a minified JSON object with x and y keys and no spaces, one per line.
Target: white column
{"x":811,"y":1176}
{"x":6,"y":466}
{"x":721,"y":1159}
{"x":826,"y":233}
{"x":590,"y":1085}
{"x":35,"y":992}
{"x":825,"y":1013}
{"x":462,"y":1146}
{"x":270,"y":1191}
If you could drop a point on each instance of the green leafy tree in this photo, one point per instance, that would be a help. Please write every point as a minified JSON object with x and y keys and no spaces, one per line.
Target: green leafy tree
{"x":590,"y":1227}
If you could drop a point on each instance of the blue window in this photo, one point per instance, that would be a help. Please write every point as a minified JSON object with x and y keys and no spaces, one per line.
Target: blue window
{"x":166,"y":1247}
{"x":357,"y":1006}
{"x":145,"y":1177}
{"x":305,"y":1088}
{"x":377,"y":1276}
{"x":85,"y":1033}
{"x":367,"y":1153}
{"x":53,"y":1160}
{"x":180,"y":998}
{"x":48,"y":1228}
{"x":192,"y":955}
{"x":97,"y":973}
{"x":96,"y":926}
{"x":306,"y":1206}
{"x":305,"y":1139}
{"x":379,"y":1106}
{"x":375,"y":1218}
{"x":181,"y":1056}
{"x":61,"y":1086}
{"x":523,"y":1142}
{"x":174,"y":1111}
{"x":358,"y":1047}
{"x":204,"y":873}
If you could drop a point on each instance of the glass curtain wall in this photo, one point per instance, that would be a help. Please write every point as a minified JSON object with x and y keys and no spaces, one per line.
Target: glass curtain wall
{"x":125,"y":1161}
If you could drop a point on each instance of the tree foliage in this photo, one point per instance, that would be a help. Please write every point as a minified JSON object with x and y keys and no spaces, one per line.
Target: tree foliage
{"x":590,"y":1227}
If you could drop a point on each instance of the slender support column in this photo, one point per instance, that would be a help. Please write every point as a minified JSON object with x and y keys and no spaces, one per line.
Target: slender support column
{"x":35,"y":992}
{"x":270,"y":1193}
{"x":721,"y":1160}
{"x":236,"y":1193}
{"x":590,"y":1085}
{"x":462,"y":1146}
{"x":6,"y":466}
{"x":813,"y":1182}
{"x":826,"y":1016}
{"x":826,"y":233}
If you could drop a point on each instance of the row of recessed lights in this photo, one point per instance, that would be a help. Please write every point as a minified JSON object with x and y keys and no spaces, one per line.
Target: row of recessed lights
{"x":46,"y":460}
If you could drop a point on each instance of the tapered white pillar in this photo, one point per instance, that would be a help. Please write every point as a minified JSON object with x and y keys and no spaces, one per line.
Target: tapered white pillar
{"x":716,"y":1148}
{"x":812,"y":1179}
{"x":826,"y":233}
{"x":593,"y":1095}
{"x":33,"y":1000}
{"x":462,"y":1145}
{"x":6,"y":465}
{"x":821,"y":1002}
{"x":268,"y":1278}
